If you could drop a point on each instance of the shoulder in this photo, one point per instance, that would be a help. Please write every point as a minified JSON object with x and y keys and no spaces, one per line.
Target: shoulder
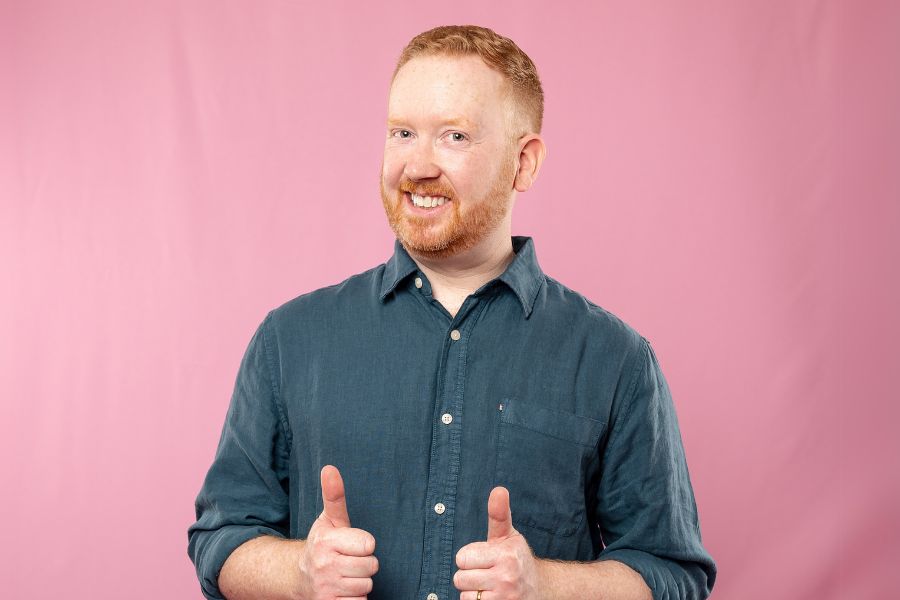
{"x":322,"y":304}
{"x":578,"y":315}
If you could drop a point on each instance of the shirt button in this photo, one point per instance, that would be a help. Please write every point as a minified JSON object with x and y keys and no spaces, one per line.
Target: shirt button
{"x":439,"y":508}
{"x":419,"y":282}
{"x":431,"y":596}
{"x":446,"y":418}
{"x":454,"y":335}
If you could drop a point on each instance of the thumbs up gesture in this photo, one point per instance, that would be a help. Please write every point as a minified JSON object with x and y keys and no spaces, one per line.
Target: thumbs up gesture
{"x":503,"y":567}
{"x":337,"y":560}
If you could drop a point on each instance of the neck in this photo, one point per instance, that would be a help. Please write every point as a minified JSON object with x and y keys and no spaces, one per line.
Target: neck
{"x":456,"y":277}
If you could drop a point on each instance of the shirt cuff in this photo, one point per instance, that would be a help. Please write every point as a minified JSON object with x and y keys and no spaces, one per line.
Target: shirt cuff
{"x":667,"y":579}
{"x":216,"y":550}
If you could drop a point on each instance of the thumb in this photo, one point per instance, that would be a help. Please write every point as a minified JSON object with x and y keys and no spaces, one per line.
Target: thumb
{"x":499,"y":515}
{"x":333,"y":499}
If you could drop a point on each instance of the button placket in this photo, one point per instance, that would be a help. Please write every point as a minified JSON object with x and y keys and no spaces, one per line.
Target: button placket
{"x":443,"y":478}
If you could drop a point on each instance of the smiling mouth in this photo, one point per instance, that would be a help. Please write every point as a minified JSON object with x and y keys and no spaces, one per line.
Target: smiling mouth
{"x":427,"y":201}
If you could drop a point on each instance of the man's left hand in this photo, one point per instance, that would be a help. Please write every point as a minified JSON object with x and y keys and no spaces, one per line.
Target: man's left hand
{"x":503,"y":567}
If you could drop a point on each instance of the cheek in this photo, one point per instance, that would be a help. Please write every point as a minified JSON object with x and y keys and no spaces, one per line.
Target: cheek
{"x":391,"y":167}
{"x":468,"y":178}
{"x":461,"y":170}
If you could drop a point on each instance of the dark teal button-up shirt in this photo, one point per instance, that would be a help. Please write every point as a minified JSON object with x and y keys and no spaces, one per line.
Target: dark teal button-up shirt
{"x":530,"y":386}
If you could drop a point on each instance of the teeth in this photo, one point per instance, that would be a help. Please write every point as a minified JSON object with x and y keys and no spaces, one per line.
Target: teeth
{"x":428,"y":201}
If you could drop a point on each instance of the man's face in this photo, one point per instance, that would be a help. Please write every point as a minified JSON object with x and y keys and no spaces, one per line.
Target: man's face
{"x":449,"y":141}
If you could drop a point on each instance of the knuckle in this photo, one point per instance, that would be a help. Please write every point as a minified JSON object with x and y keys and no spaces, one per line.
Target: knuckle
{"x":358,"y":587}
{"x":350,"y":543}
{"x":325,"y":560}
{"x":363,"y":540}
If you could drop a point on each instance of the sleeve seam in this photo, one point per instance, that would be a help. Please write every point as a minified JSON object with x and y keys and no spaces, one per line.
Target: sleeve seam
{"x":276,"y":391}
{"x":628,"y":408}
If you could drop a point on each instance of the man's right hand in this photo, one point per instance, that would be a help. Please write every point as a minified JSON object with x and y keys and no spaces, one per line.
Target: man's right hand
{"x":337,"y":560}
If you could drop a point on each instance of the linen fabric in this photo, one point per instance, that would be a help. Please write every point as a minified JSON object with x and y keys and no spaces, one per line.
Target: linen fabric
{"x":529,"y":386}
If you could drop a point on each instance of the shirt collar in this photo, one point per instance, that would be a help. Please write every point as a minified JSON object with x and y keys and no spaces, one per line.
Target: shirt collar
{"x":523,"y":275}
{"x":397,"y":268}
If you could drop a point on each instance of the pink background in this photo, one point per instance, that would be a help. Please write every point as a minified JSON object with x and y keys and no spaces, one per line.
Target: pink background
{"x":722,"y":175}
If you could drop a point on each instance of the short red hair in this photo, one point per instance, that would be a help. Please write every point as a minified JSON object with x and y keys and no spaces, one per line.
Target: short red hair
{"x":498,"y":52}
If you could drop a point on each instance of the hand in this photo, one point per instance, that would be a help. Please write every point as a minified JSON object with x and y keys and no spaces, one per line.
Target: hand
{"x":337,"y":560}
{"x":503,"y":567}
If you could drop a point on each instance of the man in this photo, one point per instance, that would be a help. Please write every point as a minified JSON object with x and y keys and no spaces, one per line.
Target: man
{"x":452,"y":423}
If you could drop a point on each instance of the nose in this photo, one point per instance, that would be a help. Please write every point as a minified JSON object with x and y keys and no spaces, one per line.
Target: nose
{"x":421,"y":162}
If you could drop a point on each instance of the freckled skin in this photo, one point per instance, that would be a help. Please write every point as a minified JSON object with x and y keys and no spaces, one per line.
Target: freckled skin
{"x":432,"y":100}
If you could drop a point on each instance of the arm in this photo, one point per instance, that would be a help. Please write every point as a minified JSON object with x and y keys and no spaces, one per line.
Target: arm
{"x":606,"y":580}
{"x":645,"y":512}
{"x":645,"y":503}
{"x":265,"y":567}
{"x":244,"y":495}
{"x":335,"y":560}
{"x":237,"y":543}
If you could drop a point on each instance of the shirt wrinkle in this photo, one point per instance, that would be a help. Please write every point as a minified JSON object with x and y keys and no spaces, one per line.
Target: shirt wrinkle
{"x":424,"y":413}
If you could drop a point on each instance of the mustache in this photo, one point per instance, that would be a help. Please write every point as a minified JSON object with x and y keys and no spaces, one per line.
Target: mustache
{"x":426,"y":188}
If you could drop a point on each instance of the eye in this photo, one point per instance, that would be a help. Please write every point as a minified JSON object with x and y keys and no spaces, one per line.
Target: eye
{"x":402,"y":134}
{"x":456,"y":136}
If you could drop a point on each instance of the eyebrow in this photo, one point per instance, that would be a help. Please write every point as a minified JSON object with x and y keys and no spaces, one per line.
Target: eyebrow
{"x":453,"y":122}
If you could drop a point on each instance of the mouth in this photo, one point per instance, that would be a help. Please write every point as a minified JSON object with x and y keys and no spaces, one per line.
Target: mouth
{"x":426,"y":204}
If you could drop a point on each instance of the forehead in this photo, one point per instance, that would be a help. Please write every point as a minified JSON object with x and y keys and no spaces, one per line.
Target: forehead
{"x":447,"y":87}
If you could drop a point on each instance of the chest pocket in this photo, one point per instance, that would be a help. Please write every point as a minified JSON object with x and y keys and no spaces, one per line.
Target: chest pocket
{"x":542,"y":456}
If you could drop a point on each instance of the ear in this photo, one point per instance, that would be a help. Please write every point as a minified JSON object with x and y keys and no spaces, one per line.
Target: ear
{"x":531,"y":155}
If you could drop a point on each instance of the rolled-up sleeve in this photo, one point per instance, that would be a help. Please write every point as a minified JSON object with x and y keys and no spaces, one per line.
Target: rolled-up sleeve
{"x":245,"y":492}
{"x":645,"y":506}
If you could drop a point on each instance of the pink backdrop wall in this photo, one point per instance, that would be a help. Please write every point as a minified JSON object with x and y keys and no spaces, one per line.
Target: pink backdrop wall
{"x":722,"y":175}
